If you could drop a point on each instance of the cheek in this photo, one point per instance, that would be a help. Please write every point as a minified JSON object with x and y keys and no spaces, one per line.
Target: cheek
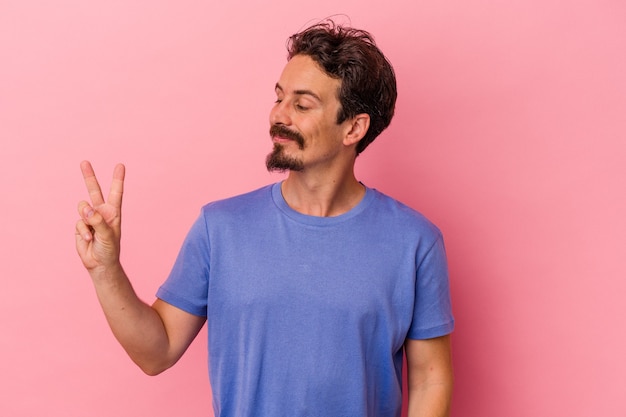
{"x":333,"y":133}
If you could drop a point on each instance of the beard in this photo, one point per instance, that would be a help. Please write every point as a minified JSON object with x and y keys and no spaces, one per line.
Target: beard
{"x":277,"y":160}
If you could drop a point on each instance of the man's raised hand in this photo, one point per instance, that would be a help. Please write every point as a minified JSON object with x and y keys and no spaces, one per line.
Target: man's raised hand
{"x":98,"y":231}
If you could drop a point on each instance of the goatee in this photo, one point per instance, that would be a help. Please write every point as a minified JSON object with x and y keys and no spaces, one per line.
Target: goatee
{"x":279,"y":162}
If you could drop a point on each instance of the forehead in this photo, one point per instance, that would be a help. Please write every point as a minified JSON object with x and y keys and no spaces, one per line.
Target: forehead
{"x":303,"y":75}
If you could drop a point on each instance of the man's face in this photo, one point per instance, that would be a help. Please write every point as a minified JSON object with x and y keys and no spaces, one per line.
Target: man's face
{"x":303,"y":121}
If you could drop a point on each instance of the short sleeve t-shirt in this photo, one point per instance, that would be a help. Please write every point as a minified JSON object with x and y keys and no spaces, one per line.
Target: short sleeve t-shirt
{"x":307,"y":316}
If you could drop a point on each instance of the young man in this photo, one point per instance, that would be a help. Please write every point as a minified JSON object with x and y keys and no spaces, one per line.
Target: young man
{"x":312,"y":288}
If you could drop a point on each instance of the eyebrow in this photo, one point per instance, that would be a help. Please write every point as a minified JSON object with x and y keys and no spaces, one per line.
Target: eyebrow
{"x":301,"y":92}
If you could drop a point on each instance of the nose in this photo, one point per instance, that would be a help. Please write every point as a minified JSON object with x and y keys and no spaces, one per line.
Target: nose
{"x":279,"y":115}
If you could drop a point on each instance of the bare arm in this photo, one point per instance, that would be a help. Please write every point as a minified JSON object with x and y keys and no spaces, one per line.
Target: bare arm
{"x":156,"y":336}
{"x":430,"y":377}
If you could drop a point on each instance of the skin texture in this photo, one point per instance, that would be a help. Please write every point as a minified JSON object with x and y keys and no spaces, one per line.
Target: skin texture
{"x":156,"y":336}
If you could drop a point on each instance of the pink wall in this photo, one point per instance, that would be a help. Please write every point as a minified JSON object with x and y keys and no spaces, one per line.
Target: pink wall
{"x":510,"y":134}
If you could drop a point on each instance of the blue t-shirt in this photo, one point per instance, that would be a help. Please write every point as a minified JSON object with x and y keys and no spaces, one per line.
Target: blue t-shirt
{"x":307,"y":316}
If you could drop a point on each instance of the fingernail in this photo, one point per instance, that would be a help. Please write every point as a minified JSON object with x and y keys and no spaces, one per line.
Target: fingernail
{"x":89,"y":213}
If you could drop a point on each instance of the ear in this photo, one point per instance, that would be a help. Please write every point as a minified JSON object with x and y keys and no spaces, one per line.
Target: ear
{"x":358,"y":127}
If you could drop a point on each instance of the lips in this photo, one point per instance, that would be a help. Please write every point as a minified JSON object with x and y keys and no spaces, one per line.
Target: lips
{"x":281,"y":139}
{"x":281,"y":134}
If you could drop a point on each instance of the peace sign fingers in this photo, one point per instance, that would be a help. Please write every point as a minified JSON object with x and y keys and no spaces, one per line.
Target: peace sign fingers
{"x":93,"y":187}
{"x":99,"y":229}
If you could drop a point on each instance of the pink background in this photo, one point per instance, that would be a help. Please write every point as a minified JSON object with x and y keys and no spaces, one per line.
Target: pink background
{"x":510,"y":134}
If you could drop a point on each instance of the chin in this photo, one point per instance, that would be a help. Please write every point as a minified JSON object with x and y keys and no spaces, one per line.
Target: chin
{"x":277,"y":161}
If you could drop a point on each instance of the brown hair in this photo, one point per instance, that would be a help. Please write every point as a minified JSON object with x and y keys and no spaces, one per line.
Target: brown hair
{"x":368,"y":82}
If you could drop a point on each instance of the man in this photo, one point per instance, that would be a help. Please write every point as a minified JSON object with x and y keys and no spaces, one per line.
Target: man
{"x":312,"y":288}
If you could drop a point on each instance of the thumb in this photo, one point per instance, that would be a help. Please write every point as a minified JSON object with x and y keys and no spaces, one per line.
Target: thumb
{"x":92,"y":217}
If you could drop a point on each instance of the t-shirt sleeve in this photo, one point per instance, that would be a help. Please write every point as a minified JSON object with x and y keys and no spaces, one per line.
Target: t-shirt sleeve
{"x":187,"y":285}
{"x":432,"y":312}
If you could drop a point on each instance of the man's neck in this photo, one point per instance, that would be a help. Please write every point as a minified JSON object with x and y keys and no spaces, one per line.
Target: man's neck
{"x":322,"y":196}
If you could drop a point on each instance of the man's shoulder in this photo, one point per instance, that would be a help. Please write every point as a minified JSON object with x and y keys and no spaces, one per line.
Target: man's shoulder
{"x":402,"y":215}
{"x":246,"y":202}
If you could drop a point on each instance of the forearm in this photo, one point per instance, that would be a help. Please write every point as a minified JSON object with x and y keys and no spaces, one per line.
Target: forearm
{"x":431,"y":400}
{"x":153,"y":336}
{"x":430,"y":377}
{"x":135,"y":324}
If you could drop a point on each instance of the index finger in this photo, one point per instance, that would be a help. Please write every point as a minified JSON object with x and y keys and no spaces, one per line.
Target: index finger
{"x":93,"y":188}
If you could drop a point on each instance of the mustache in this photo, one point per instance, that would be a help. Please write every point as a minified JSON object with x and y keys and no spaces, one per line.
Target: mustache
{"x":283,"y":132}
